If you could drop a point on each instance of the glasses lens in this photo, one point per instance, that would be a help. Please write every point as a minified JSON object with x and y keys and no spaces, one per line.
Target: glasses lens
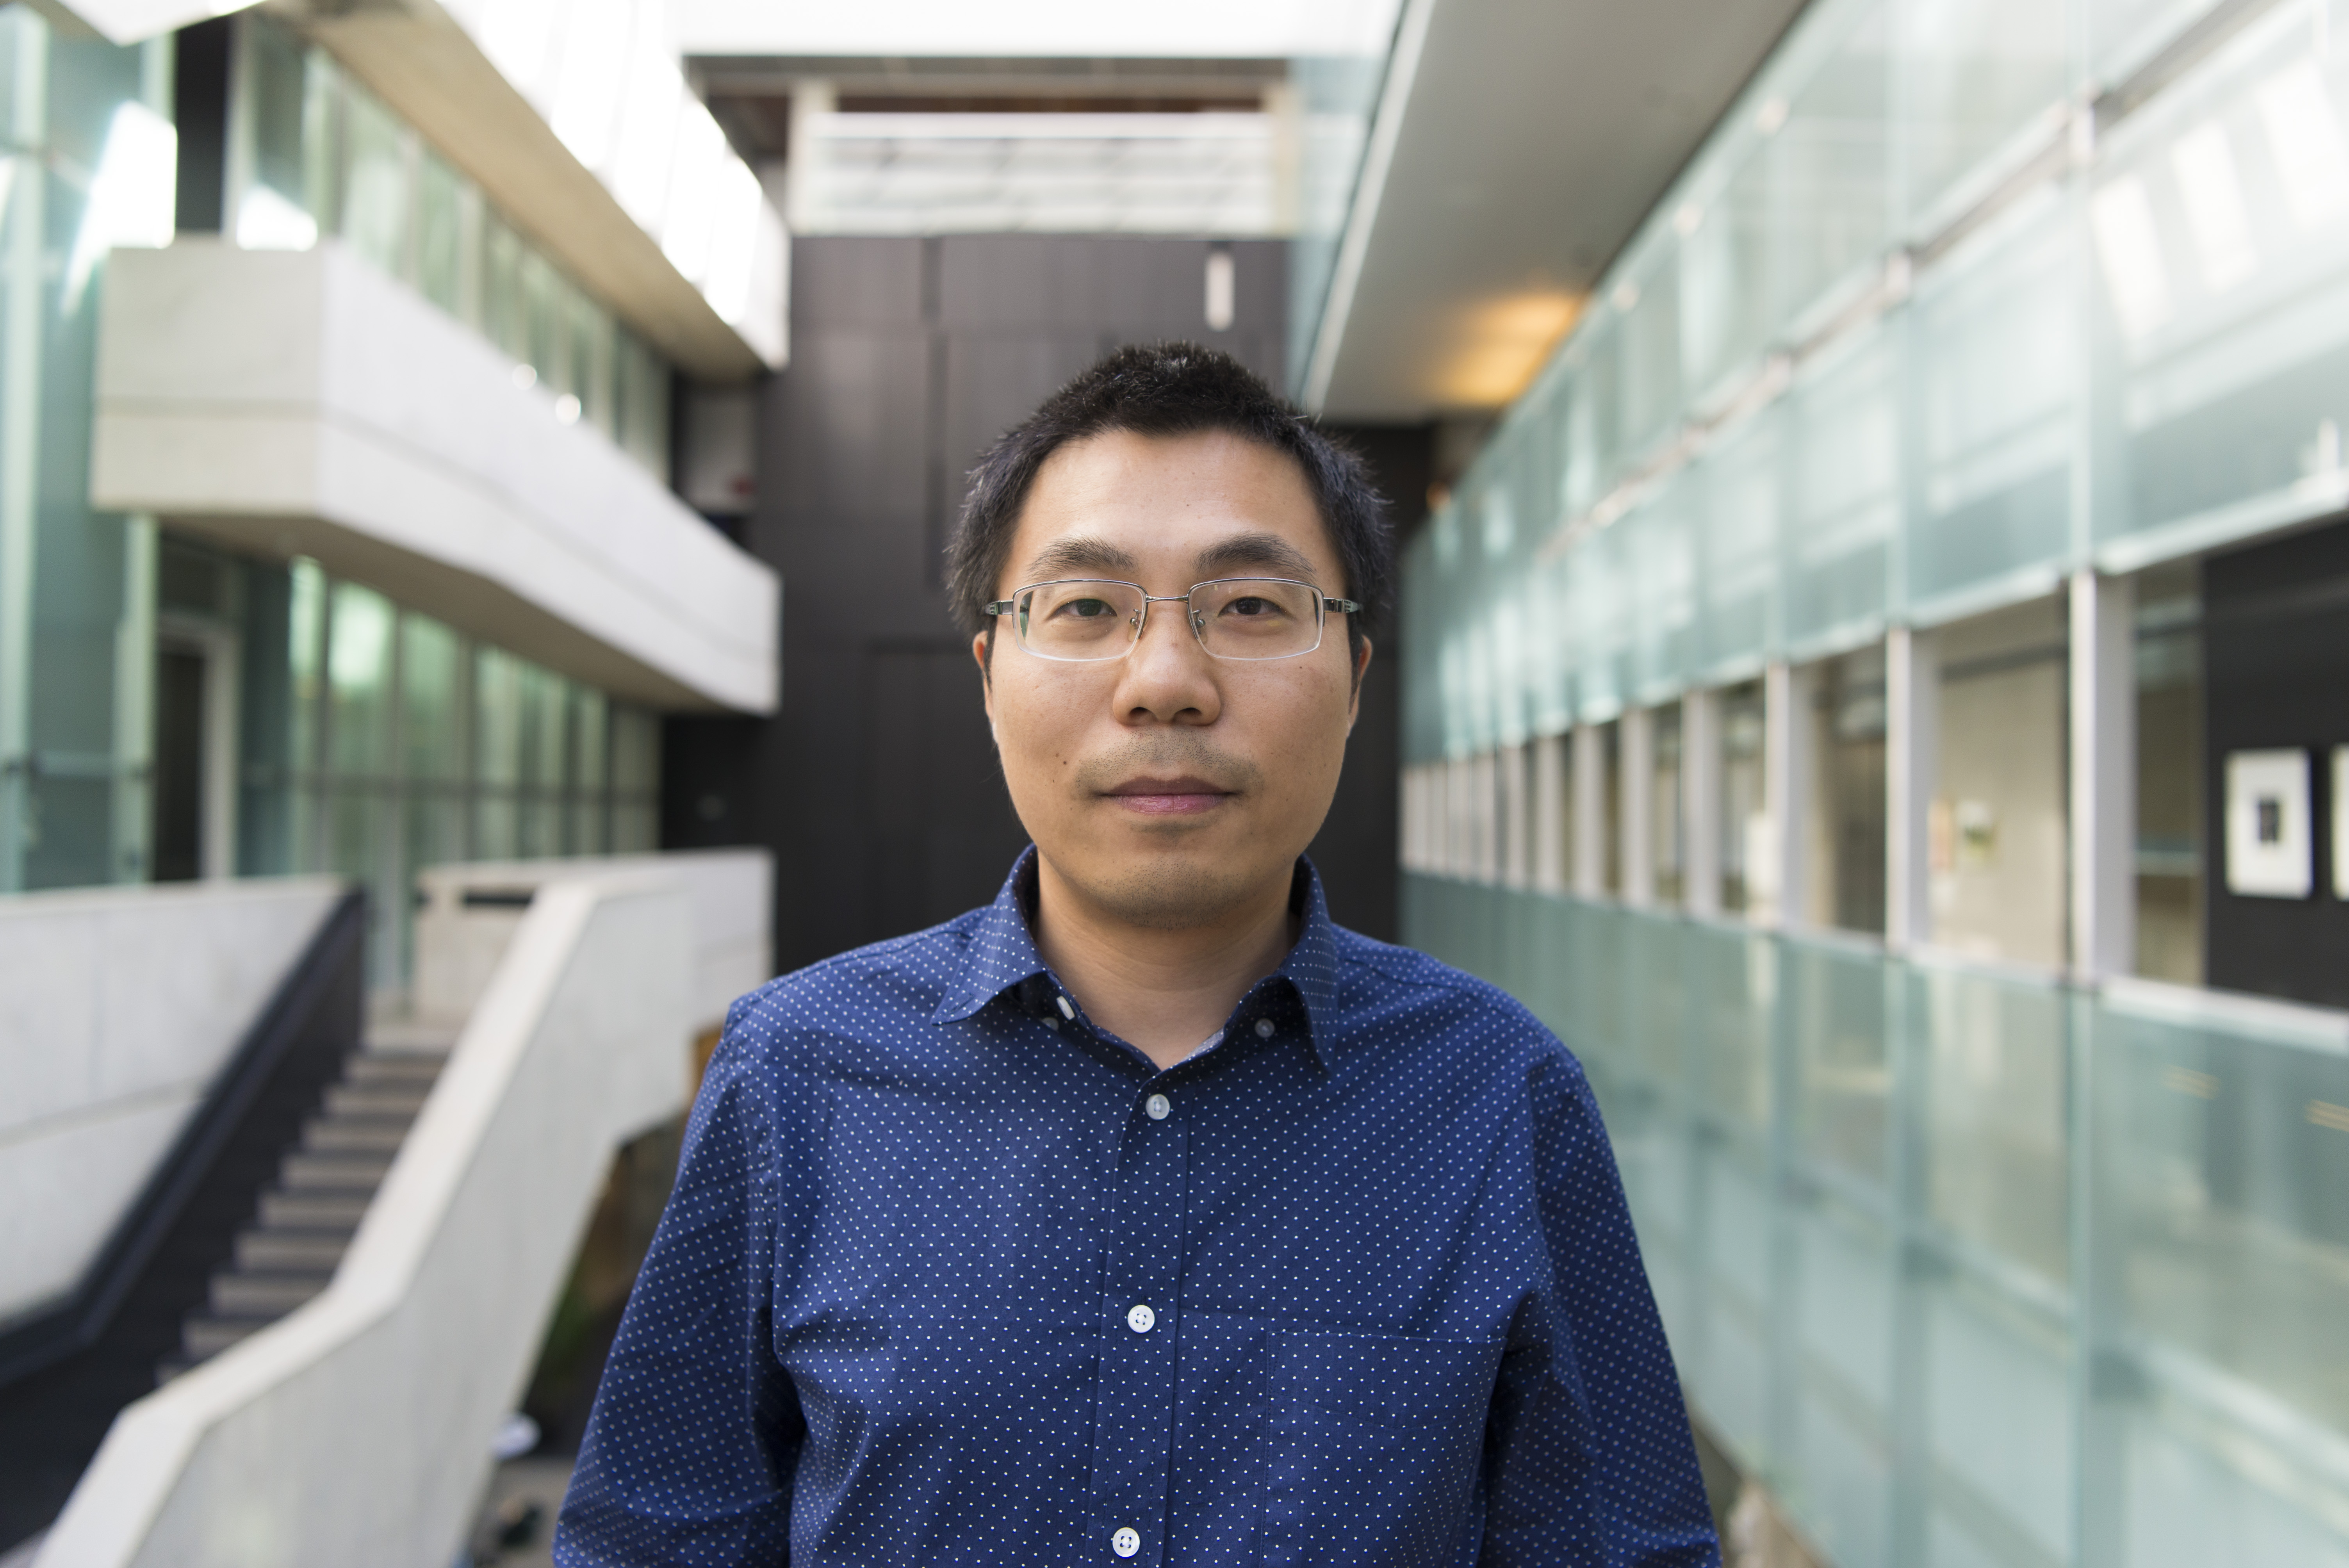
{"x":1256,"y":618}
{"x":1079,"y":620}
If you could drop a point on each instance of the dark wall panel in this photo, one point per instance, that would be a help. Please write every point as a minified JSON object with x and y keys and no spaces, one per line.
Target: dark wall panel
{"x":2276,"y":641}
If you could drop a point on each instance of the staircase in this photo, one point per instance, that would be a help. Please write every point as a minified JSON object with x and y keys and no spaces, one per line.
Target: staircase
{"x":308,"y":1216}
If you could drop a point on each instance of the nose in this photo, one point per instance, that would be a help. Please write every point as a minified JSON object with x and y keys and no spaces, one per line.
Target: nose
{"x":1168,"y":677}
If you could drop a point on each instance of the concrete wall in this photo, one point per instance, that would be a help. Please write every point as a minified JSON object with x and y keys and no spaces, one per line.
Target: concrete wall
{"x":118,"y":1007}
{"x":357,"y":1430}
{"x":303,"y":402}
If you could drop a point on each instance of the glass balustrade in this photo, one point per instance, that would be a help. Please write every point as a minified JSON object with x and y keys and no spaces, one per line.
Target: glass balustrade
{"x":1973,"y":1266}
{"x":321,"y":156}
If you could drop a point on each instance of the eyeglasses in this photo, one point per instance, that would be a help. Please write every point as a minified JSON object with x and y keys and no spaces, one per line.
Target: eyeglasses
{"x":1086,"y":620}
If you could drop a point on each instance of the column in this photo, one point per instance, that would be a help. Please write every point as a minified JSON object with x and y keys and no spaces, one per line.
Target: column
{"x":1777,"y":893}
{"x":1484,"y":794}
{"x":1589,"y":812}
{"x":2103,"y":774}
{"x":1636,"y":807}
{"x":1516,"y":820}
{"x":1701,"y":825}
{"x":1912,"y":686}
{"x":1550,"y":828}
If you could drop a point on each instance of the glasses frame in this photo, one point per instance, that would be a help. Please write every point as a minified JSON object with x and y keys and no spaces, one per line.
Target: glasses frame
{"x":1322,"y":604}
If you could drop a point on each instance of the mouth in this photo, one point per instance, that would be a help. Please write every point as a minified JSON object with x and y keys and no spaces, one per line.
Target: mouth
{"x":1186,"y":795}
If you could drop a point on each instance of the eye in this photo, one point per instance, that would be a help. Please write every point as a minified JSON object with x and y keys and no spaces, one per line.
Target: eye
{"x":1251,"y":605}
{"x":1086,"y":609}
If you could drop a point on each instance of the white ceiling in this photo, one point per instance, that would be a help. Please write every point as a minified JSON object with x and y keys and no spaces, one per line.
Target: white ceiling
{"x":1536,"y":134}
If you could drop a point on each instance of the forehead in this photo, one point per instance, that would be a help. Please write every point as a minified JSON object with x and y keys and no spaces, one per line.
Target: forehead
{"x":1165,"y":501}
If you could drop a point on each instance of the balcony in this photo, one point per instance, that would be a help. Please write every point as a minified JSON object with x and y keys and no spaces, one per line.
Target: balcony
{"x":302,"y":403}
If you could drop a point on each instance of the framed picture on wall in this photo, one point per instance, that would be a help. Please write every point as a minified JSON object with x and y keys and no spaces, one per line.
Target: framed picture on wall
{"x":2271,"y":844}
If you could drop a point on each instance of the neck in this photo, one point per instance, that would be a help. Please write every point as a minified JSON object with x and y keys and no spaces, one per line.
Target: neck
{"x":1165,"y":991}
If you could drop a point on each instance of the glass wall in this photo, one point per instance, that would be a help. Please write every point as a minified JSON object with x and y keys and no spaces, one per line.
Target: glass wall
{"x":314,"y":154}
{"x":1971,"y":1258}
{"x":376,"y":741}
{"x":83,"y":136}
{"x":1891,"y":352}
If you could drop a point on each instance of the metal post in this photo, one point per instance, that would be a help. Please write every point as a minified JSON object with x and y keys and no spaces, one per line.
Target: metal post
{"x":1701,"y":825}
{"x":1779,"y":892}
{"x":1589,"y":812}
{"x":1637,"y":807}
{"x":1911,"y":731}
{"x":1550,"y":827}
{"x":2104,"y":775}
{"x":1516,"y":847}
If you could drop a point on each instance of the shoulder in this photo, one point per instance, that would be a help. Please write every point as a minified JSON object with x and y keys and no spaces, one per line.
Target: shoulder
{"x":858,"y":994}
{"x":1383,"y":988}
{"x":1383,"y":975}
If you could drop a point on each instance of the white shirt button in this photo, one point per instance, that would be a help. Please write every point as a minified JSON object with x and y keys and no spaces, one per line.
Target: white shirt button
{"x":1066,"y":1011}
{"x":1141,"y":1319}
{"x":1158,"y":1105}
{"x":1125,"y":1543}
{"x":1264,"y":1028}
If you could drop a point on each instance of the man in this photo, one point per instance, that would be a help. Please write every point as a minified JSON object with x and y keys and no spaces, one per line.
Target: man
{"x":1145,"y":1215}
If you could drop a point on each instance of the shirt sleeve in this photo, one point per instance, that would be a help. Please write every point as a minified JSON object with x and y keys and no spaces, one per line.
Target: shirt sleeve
{"x":1588,"y":1455}
{"x":695,"y":1429}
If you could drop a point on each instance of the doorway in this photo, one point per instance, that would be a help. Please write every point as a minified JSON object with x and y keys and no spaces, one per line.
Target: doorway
{"x":192,"y":769}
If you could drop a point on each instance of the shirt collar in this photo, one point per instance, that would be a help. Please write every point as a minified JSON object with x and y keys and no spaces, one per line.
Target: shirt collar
{"x":1000,"y":953}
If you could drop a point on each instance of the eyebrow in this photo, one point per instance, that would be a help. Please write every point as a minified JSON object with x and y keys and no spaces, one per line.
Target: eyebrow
{"x":1082,"y":552}
{"x":1088,"y":552}
{"x":1267,"y":551}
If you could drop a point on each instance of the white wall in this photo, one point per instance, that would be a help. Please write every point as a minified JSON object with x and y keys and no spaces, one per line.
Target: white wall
{"x":118,"y":1007}
{"x":303,"y":402}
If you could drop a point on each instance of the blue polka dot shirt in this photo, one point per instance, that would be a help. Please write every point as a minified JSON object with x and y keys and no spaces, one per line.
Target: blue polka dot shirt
{"x":951,"y":1274}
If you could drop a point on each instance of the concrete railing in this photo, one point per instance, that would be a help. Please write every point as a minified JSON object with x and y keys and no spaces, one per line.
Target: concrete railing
{"x":118,"y":1009}
{"x":469,"y":912}
{"x":357,"y":1430}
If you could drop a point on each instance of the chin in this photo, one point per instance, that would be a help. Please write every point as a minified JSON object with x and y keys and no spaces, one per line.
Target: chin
{"x":1171,"y":892}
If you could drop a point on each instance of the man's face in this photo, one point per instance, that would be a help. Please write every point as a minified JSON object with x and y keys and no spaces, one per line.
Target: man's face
{"x":1169,"y":785}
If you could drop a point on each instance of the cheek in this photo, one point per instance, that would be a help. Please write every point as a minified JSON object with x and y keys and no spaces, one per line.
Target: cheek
{"x":1037,"y":725}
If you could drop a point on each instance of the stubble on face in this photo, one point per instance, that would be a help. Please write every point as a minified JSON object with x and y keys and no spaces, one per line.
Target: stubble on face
{"x":1175,"y":883}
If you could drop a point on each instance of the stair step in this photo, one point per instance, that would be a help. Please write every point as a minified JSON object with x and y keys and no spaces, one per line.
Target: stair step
{"x":207,"y":1334}
{"x":359,"y":1173}
{"x":354,"y":1134}
{"x":386,"y":1068}
{"x":236,"y":1293}
{"x":312,"y":1209}
{"x":375,"y":1098}
{"x":272,"y":1250}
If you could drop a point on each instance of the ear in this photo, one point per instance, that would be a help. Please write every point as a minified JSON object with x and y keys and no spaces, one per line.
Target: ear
{"x":981,"y":647}
{"x":1354,"y":697}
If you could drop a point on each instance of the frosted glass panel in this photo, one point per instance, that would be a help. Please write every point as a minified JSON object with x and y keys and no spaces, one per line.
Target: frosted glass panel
{"x":1974,"y":76}
{"x":1870,"y":1287}
{"x":1997,"y":357}
{"x":2222,"y":229}
{"x":1833,"y":193}
{"x":1845,"y":430}
{"x":1742,"y":484}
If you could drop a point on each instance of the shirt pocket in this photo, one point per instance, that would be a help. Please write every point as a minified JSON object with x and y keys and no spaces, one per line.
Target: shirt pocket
{"x":1370,"y":1448}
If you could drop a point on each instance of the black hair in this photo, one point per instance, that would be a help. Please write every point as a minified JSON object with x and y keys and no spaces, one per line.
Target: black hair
{"x":1170,"y":390}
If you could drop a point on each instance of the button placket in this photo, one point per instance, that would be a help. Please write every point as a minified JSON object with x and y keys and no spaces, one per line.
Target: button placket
{"x":1133,"y":1415}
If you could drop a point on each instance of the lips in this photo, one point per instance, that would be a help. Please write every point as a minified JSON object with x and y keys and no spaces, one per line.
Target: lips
{"x":1183,"y":795}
